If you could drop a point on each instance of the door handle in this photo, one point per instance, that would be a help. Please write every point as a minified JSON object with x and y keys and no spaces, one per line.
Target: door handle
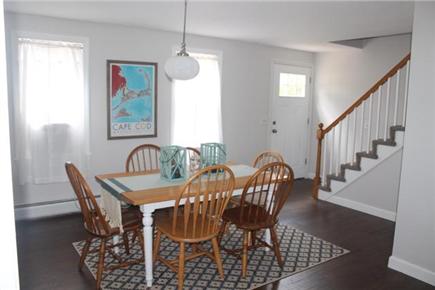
{"x":274,"y":131}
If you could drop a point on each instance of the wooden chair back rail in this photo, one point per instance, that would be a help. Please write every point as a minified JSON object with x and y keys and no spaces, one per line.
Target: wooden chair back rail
{"x":267,"y":157}
{"x":208,"y":193}
{"x":143,"y":158}
{"x":322,"y":132}
{"x":263,"y":196}
{"x":93,"y":218}
{"x":193,"y":152}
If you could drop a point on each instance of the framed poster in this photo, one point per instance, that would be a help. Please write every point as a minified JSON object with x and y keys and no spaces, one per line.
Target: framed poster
{"x":131,"y":99}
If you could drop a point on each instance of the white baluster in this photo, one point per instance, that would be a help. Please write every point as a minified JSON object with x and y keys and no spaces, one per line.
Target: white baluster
{"x":370,"y":123}
{"x":324,"y":160}
{"x":331,"y":152}
{"x":362,"y":127}
{"x":337,"y":168}
{"x":396,"y":100}
{"x":387,"y":109}
{"x":378,"y":115}
{"x":346,"y":140}
{"x":405,"y":101}
{"x":355,"y":117}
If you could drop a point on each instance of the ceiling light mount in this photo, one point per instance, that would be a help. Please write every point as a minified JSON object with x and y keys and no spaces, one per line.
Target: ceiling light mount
{"x":182,"y":66}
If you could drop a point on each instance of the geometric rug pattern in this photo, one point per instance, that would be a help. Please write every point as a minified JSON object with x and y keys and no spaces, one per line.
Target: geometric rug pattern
{"x":300,"y":251}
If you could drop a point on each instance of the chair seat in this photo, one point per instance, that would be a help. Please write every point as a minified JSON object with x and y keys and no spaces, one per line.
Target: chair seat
{"x":203,"y":232}
{"x":236,"y":200}
{"x":253,"y":219}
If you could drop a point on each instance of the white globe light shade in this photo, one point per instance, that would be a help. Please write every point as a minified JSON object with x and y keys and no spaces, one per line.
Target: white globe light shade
{"x":182,"y":67}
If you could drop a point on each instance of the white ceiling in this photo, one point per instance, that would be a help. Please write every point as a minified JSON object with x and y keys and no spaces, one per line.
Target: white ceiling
{"x":300,"y":25}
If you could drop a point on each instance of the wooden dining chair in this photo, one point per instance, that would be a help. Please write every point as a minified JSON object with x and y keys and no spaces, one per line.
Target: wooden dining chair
{"x":261,"y":201}
{"x":143,"y":158}
{"x":267,"y":157}
{"x":193,"y":152}
{"x":205,"y":196}
{"x":97,"y":227}
{"x":262,"y":159}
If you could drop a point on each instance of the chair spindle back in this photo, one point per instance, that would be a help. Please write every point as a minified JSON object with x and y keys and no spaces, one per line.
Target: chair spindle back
{"x":266,"y":192}
{"x":143,"y":158}
{"x":267,"y":157}
{"x":206,"y":196}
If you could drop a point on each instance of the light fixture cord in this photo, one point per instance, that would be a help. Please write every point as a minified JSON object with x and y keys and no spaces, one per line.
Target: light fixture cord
{"x":183,"y":52}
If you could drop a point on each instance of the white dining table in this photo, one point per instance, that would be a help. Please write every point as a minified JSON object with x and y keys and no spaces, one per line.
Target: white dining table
{"x":150,"y":192}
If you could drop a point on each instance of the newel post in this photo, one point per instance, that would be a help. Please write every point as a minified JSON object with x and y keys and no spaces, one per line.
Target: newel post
{"x":316,"y":181}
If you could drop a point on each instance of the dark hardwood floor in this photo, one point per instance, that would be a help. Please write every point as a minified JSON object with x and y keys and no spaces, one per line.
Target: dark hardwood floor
{"x":48,"y":261}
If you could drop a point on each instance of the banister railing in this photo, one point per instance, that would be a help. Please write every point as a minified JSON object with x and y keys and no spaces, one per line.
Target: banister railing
{"x":346,"y":136}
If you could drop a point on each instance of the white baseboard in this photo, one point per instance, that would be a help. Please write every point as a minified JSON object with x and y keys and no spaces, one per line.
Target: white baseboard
{"x":362,"y":207}
{"x":412,"y":270}
{"x":311,"y":175}
{"x":46,"y":210}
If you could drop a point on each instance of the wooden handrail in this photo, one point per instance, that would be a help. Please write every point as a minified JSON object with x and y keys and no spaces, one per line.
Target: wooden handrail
{"x":373,"y":89}
{"x":321,"y":132}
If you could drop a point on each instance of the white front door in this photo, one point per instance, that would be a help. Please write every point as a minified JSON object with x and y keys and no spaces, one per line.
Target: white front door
{"x":290,"y":103}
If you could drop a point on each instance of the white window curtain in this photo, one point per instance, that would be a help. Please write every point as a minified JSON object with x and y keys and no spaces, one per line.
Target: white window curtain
{"x":50,"y":110}
{"x":196,"y":105}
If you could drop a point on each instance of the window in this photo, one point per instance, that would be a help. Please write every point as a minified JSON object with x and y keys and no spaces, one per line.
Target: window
{"x":49,"y":110}
{"x":292,"y":85}
{"x":196,"y":105}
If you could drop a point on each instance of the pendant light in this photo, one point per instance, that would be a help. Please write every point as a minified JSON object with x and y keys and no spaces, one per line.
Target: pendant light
{"x":182,"y":66}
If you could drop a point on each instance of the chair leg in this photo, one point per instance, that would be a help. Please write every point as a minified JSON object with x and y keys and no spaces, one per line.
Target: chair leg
{"x":181,"y":267}
{"x":126,"y":243}
{"x":217,"y":257}
{"x":84,"y":253}
{"x":253,"y":237}
{"x":222,"y":231}
{"x":156,"y":245}
{"x":100,"y":269}
{"x":246,"y":235}
{"x":274,"y":238}
{"x":133,"y":238}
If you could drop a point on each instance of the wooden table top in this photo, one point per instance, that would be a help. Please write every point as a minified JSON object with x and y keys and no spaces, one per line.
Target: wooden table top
{"x":144,"y":188}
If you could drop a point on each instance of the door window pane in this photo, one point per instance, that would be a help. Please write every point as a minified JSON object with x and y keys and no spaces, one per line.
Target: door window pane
{"x":292,"y":85}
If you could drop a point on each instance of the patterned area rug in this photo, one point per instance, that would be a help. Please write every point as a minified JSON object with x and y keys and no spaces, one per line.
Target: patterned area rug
{"x":299,"y":250}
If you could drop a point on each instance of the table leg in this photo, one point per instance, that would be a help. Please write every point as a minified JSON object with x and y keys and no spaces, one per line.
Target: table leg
{"x":148,"y":242}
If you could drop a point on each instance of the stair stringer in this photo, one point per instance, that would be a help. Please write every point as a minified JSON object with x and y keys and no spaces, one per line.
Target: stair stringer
{"x":338,"y":188}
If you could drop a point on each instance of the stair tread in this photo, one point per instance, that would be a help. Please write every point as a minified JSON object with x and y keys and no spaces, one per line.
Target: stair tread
{"x":325,"y":188}
{"x":336,"y":177}
{"x":370,"y":155}
{"x":388,"y":142}
{"x":351,"y":166}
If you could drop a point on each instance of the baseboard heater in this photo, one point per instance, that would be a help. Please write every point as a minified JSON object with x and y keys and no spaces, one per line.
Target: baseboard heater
{"x":47,"y":208}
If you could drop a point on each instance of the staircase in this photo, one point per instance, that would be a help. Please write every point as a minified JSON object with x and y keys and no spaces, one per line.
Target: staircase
{"x":369,"y":132}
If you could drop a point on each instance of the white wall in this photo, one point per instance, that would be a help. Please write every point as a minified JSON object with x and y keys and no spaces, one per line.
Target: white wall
{"x":414,"y":241}
{"x":341,"y":77}
{"x":9,"y":266}
{"x":245,"y":89}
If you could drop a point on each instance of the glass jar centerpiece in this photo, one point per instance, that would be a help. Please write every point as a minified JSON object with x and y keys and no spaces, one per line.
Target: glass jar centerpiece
{"x":213,"y":154}
{"x":173,"y":162}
